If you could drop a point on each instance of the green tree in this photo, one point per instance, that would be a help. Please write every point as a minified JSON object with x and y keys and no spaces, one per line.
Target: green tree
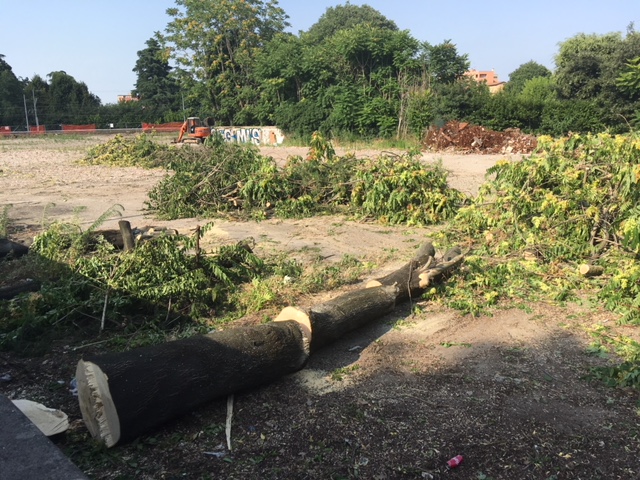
{"x":463,"y":100}
{"x":588,"y":67}
{"x":443,"y":63}
{"x":344,"y":17}
{"x":37,"y":91}
{"x":525,"y":72}
{"x":215,"y":44}
{"x":11,"y":100}
{"x":157,"y":90}
{"x":70,"y":101}
{"x":629,"y":81}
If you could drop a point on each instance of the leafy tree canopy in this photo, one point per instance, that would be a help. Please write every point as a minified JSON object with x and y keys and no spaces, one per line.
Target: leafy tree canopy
{"x":443,"y":62}
{"x":629,"y":80}
{"x":215,"y":43}
{"x":346,"y":16}
{"x":10,"y":95}
{"x":157,"y":89}
{"x":525,"y":72}
{"x":69,"y":100}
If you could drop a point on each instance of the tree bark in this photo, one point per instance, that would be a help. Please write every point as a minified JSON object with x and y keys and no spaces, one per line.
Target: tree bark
{"x":327,"y":322}
{"x":123,"y":395}
{"x":403,"y":277}
{"x":27,"y":285}
{"x":127,"y":235}
{"x":9,"y":248}
{"x":591,"y":270}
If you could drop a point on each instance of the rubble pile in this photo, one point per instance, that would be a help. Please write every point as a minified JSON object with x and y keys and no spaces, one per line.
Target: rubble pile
{"x":467,"y":138}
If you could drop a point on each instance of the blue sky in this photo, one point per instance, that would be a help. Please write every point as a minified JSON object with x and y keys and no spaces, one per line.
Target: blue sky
{"x":97,"y":41}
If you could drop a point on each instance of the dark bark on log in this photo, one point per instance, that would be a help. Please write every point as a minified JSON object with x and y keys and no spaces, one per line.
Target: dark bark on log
{"x":123,"y":395}
{"x":9,"y":248}
{"x":404,"y":277}
{"x":127,"y":235}
{"x":329,"y":321}
{"x":27,"y":285}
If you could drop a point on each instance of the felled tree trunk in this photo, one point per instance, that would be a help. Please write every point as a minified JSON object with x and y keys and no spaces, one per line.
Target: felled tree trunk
{"x":414,"y":277}
{"x":123,"y":395}
{"x":26,"y":285}
{"x":329,"y":321}
{"x":9,"y":248}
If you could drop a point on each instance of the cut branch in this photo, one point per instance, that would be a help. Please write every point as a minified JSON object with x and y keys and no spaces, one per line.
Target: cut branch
{"x":404,"y":275}
{"x":591,"y":270}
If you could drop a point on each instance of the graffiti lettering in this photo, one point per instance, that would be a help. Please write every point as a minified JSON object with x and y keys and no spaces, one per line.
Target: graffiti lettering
{"x":241,"y":135}
{"x":255,"y":135}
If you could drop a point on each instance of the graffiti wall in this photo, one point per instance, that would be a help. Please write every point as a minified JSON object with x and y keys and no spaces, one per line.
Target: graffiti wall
{"x":255,"y":135}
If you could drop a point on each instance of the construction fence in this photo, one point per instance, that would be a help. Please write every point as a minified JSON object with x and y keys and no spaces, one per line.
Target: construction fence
{"x":254,"y":135}
{"x":40,"y":129}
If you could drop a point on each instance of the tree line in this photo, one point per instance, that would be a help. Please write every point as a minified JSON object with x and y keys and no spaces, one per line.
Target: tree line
{"x":353,"y":73}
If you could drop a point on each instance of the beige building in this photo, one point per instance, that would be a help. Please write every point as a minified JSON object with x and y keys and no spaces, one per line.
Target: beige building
{"x":490,"y":77}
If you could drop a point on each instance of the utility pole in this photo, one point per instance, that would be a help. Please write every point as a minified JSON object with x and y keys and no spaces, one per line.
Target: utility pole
{"x":26,"y":115}
{"x":35,"y":111}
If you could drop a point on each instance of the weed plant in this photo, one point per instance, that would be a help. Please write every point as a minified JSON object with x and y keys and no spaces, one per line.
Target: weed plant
{"x":574,"y":201}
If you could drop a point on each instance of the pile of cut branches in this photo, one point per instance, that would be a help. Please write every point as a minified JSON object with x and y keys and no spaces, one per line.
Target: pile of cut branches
{"x":573,"y":203}
{"x":232,"y":179}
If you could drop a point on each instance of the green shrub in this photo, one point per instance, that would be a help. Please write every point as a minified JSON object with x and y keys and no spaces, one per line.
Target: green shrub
{"x":120,"y":151}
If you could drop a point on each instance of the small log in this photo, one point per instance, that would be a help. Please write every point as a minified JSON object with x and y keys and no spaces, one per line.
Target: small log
{"x":451,"y":260}
{"x":9,"y":248}
{"x":26,"y":285}
{"x":413,"y":281}
{"x":403,"y":276}
{"x":123,"y":395}
{"x":127,"y":235}
{"x":327,"y":322}
{"x":591,"y":270}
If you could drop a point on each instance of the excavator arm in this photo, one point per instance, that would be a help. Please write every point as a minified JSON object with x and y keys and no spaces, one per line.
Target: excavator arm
{"x":183,"y":130}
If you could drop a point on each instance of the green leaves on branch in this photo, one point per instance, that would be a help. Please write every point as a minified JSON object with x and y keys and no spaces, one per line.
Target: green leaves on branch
{"x":231,"y":179}
{"x":402,"y":189}
{"x":120,"y":151}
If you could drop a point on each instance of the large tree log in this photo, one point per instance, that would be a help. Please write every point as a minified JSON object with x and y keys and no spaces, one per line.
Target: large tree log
{"x":327,"y":322}
{"x":11,"y":249}
{"x":123,"y":395}
{"x":26,"y":285}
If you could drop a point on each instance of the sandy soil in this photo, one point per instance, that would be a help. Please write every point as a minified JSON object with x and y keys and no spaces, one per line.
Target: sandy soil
{"x":393,"y":400}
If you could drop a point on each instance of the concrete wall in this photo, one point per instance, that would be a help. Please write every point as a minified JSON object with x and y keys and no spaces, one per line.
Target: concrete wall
{"x":255,"y":135}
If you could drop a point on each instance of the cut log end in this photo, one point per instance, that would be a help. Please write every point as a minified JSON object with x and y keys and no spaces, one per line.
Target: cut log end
{"x":97,"y":407}
{"x":591,"y":270}
{"x":373,"y":283}
{"x":301,"y":318}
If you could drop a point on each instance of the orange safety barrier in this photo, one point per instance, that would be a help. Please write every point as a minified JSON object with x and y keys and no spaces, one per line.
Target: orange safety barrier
{"x":5,"y":130}
{"x":161,"y":127}
{"x":79,"y":128}
{"x":38,"y":129}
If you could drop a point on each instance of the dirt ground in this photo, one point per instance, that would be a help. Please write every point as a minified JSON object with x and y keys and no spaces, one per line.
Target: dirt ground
{"x":393,"y":400}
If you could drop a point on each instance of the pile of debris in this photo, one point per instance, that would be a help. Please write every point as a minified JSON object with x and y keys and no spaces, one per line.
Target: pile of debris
{"x":467,"y":138}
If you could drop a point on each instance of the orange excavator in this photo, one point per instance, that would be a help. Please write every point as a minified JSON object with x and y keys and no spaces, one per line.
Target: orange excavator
{"x":194,"y":131}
